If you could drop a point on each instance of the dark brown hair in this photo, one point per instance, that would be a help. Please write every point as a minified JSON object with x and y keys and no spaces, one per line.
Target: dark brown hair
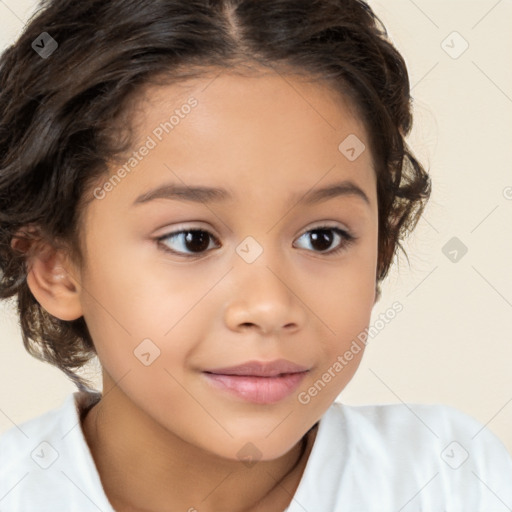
{"x":57,"y":114}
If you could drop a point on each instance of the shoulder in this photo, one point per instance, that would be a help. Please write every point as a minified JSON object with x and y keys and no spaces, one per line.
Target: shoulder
{"x":408,"y":426}
{"x":18,"y":443}
{"x":29,"y":449}
{"x":414,"y":445}
{"x":416,"y":420}
{"x":55,"y":424}
{"x":46,"y":459}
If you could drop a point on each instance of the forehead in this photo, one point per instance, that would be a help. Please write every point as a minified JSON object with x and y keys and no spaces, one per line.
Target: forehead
{"x":243,"y":133}
{"x":237,"y":98}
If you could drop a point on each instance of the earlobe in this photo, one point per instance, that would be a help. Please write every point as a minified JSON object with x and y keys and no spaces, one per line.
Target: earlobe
{"x":51,"y":281}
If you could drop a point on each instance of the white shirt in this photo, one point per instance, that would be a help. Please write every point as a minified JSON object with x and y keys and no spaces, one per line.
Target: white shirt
{"x":382,"y":458}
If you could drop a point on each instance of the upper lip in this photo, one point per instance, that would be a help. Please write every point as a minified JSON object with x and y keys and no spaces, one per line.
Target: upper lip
{"x":261,"y":368}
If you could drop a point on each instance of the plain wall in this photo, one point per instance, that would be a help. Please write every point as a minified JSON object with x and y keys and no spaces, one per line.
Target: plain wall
{"x":452,"y":343}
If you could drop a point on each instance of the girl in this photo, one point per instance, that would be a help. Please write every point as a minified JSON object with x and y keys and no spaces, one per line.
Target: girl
{"x":207,"y":195}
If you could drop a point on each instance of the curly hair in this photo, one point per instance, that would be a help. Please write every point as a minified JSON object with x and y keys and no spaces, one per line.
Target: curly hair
{"x":58,"y":115}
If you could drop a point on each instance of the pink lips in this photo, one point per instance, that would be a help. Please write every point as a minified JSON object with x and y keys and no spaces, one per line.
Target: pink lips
{"x":259,"y":382}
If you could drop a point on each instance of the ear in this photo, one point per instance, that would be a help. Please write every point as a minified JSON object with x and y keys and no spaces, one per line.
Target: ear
{"x":52,"y":279}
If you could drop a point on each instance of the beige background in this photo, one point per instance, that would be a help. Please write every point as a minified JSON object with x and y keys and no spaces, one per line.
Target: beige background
{"x":452,"y":343}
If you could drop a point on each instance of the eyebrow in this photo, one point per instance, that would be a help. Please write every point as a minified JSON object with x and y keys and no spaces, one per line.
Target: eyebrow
{"x":203,"y":194}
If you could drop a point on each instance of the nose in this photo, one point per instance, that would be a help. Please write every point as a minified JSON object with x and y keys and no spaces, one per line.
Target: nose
{"x":263,"y":298}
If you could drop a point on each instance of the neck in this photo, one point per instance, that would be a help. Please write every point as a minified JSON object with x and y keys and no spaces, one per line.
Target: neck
{"x":144,"y":467}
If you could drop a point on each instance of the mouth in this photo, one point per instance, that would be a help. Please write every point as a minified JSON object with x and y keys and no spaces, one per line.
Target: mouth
{"x":261,"y":368}
{"x":258,"y":382}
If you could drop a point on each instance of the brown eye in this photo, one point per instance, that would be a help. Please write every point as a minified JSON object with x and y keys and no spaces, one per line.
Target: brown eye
{"x":189,"y":242}
{"x":322,"y":238}
{"x":196,"y":242}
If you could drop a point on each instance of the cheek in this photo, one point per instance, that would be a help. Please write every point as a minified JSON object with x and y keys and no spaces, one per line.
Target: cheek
{"x":344,"y":304}
{"x":347,"y":296}
{"x":139,"y":316}
{"x":347,"y":319}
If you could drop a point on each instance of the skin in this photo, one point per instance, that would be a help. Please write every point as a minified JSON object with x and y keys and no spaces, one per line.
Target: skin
{"x":263,"y":138}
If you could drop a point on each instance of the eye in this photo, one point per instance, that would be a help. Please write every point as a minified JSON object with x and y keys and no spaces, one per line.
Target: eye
{"x":197,"y":241}
{"x":322,"y":237}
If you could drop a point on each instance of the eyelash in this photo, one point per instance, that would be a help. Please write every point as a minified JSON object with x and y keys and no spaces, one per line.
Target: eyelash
{"x":347,"y":240}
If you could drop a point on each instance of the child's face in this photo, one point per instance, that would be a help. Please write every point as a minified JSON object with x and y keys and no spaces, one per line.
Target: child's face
{"x":265,"y":140}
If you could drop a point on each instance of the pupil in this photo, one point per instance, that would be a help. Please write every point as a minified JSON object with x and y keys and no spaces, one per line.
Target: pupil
{"x":324,"y":237}
{"x":202,"y":240}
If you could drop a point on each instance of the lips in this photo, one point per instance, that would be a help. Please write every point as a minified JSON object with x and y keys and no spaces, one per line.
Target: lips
{"x":258,"y":382}
{"x":261,"y":369}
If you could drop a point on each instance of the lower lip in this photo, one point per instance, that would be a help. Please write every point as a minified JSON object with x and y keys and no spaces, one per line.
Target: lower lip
{"x":258,"y":390}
